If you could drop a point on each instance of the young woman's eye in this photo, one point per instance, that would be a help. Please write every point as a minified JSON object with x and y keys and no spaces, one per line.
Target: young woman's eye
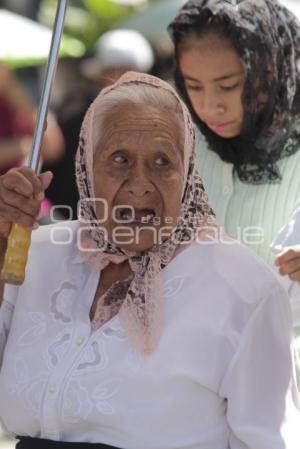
{"x":232,"y":87}
{"x":162,"y":161}
{"x":193,"y":87}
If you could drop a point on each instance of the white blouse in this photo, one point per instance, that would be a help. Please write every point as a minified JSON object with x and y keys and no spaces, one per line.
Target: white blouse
{"x":220,"y":378}
{"x":289,"y":235}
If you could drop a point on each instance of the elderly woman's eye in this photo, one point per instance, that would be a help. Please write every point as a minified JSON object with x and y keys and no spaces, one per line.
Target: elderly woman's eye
{"x":120,"y":158}
{"x":162,"y":161}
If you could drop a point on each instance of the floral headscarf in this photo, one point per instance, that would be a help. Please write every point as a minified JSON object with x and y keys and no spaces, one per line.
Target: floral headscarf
{"x":140,"y":298}
{"x":266,"y":37}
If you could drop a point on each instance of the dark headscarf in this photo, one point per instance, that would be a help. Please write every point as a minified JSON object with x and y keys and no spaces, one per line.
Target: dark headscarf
{"x":266,"y":37}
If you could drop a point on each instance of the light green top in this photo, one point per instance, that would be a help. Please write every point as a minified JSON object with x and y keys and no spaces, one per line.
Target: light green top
{"x":253,"y":214}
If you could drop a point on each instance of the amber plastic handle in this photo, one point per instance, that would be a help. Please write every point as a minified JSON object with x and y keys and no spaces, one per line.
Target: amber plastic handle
{"x":16,"y":255}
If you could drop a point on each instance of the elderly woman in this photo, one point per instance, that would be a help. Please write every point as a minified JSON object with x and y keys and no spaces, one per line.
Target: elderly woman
{"x":141,"y":325}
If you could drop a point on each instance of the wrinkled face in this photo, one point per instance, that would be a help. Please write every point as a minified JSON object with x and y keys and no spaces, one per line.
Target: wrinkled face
{"x":138,"y":176}
{"x":214,"y":79}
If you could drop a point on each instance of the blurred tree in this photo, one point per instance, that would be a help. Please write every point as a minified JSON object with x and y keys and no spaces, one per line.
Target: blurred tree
{"x":87,"y":19}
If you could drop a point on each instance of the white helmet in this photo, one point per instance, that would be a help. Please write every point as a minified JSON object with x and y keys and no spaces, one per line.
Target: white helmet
{"x":117,"y":49}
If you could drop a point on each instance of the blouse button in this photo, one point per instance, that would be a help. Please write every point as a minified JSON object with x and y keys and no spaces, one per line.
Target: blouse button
{"x":51,"y":388}
{"x":80,"y":340}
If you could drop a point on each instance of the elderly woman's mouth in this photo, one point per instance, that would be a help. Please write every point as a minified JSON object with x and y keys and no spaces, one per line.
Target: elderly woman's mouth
{"x":134,"y":215}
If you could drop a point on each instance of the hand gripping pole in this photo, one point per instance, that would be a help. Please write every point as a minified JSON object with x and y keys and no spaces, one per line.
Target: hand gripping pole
{"x":13,"y":271}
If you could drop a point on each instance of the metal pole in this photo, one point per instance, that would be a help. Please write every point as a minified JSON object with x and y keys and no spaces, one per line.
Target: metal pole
{"x":49,"y":77}
{"x":15,"y":260}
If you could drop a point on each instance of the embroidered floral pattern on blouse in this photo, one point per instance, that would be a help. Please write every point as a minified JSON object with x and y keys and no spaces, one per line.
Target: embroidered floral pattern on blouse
{"x":173,"y":286}
{"x":33,"y":334}
{"x":103,"y":393}
{"x":77,"y":403}
{"x":56,"y":351}
{"x":95,"y":356}
{"x":62,"y":302}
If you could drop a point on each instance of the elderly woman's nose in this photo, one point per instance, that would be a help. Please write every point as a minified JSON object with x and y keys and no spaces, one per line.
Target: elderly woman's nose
{"x":139,"y":182}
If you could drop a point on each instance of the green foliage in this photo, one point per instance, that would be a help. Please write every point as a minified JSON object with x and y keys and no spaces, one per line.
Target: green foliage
{"x":106,"y":9}
{"x":87,"y":19}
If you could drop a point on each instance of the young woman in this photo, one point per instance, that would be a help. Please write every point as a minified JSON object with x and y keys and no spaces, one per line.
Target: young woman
{"x":237,"y":68}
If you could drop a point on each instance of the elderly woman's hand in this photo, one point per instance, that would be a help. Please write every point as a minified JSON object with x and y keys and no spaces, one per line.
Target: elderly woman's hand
{"x":288,"y":262}
{"x":21,"y":193}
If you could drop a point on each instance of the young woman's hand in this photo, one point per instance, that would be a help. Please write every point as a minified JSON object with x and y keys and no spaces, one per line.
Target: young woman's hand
{"x":288,"y":262}
{"x":21,"y":193}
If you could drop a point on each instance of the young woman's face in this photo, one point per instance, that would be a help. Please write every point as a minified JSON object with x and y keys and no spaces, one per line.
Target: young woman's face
{"x":214,"y":79}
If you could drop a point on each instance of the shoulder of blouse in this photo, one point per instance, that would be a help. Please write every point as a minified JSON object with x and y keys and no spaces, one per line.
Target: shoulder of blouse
{"x":60,"y":230}
{"x":234,"y":267}
{"x":52,"y":242}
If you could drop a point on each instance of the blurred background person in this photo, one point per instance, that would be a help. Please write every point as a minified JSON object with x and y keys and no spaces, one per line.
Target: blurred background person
{"x":117,"y":52}
{"x":17,"y":124}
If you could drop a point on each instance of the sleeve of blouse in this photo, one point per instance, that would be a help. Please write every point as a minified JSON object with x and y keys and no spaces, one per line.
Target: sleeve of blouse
{"x":6,"y":313}
{"x":289,"y":235}
{"x":263,"y":407}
